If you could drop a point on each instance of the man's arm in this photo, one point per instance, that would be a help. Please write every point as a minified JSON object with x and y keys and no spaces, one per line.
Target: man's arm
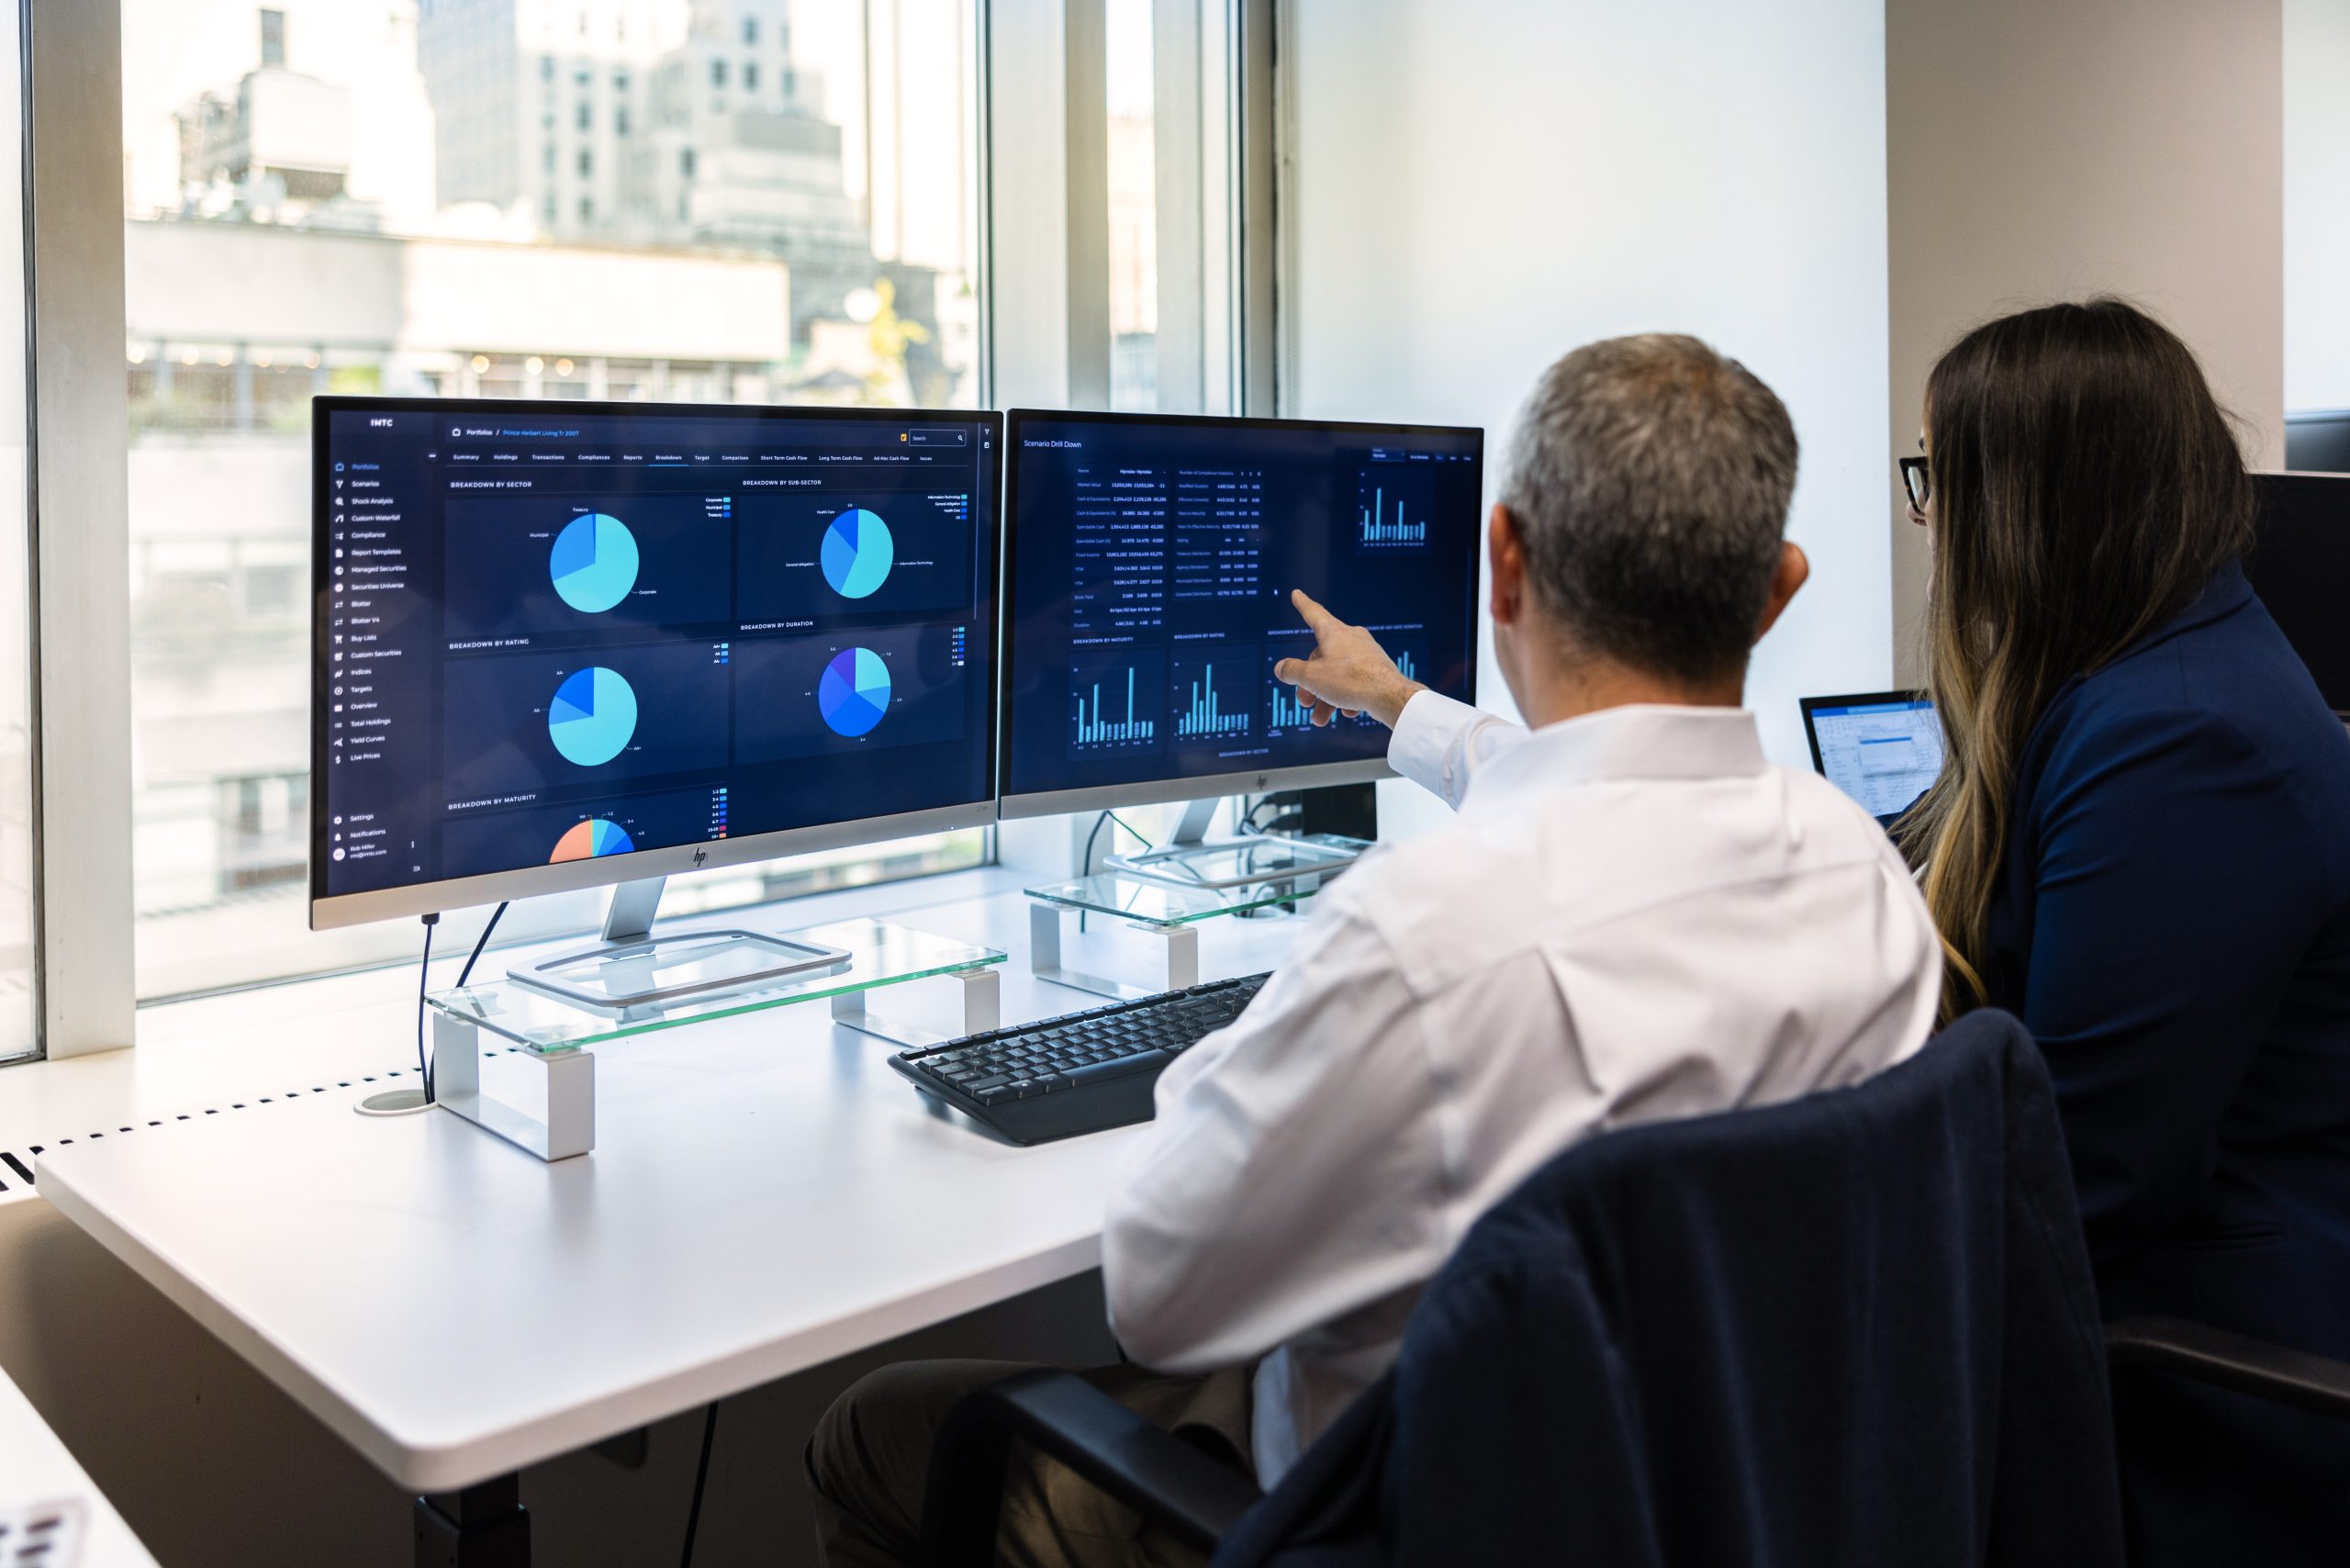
{"x":1289,"y":1177}
{"x":1439,"y":743}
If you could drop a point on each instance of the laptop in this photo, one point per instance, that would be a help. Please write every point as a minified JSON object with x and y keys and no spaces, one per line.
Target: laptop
{"x":1883,"y":748}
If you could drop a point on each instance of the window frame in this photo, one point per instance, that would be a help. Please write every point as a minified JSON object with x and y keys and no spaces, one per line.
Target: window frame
{"x":1030,"y":63}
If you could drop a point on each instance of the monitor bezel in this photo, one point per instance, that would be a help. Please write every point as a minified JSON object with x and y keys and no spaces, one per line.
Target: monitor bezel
{"x":1813,"y":704}
{"x":332,"y":912}
{"x":1149,"y":792}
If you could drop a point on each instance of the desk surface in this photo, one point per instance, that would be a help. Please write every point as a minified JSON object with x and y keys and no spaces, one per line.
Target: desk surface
{"x":765,"y":1195}
{"x":36,"y":1467}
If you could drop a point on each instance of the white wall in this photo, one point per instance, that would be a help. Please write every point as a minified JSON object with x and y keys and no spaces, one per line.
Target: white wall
{"x":2040,"y":151}
{"x":2317,"y":204}
{"x":1475,"y":187}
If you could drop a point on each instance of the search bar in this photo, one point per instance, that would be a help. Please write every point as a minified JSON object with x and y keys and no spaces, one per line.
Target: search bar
{"x":935,"y":437}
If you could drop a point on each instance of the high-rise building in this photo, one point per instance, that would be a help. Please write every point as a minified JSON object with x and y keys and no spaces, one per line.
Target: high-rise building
{"x":662,"y":122}
{"x":276,"y":137}
{"x":538,"y":103}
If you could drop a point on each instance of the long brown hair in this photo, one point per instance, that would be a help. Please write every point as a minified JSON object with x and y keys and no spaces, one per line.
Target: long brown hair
{"x":2086,"y":486}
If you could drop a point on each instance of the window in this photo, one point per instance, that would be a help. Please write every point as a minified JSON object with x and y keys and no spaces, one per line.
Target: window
{"x":586,"y":115}
{"x":19,"y":1033}
{"x":1133,"y":207}
{"x":587,"y":165}
{"x":750,"y":30}
{"x":434,"y":260}
{"x":620,"y":120}
{"x":750,"y":76}
{"x":718,"y":73}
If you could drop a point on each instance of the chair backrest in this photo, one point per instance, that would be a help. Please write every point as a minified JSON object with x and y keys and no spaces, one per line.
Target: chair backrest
{"x":1857,"y":1327}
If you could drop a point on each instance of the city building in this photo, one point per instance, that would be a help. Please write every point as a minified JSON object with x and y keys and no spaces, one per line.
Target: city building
{"x":647,"y":122}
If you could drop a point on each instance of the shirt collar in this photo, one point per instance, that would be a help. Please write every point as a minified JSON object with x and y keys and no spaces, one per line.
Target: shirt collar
{"x":1643,"y":741}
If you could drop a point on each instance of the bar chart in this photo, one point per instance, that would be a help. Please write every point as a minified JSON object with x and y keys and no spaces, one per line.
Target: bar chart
{"x":1288,"y":709}
{"x":1113,"y":701}
{"x":1392,"y":505}
{"x":1210,"y":693}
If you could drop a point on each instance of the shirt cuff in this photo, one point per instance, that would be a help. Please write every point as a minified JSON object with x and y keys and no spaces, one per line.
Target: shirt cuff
{"x":1428,"y":741}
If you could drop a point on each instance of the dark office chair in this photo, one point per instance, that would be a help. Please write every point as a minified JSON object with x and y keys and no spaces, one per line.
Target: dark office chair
{"x":1856,"y":1328}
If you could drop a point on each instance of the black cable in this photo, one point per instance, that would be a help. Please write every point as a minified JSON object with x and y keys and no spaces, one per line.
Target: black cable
{"x":424,"y":1069}
{"x":467,"y":972}
{"x":701,"y":1476}
{"x":1085,"y":866}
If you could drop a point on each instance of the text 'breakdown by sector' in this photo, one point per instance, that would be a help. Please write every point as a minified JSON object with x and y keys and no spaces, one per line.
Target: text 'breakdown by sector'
{"x":594,"y":563}
{"x":592,"y":717}
{"x":854,"y":694}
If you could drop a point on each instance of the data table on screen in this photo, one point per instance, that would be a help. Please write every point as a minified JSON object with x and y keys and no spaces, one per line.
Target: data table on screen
{"x":1153,"y":561}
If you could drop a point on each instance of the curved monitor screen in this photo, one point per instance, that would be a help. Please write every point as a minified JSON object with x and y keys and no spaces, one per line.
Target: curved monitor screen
{"x":1147,"y":600}
{"x":550,"y":634}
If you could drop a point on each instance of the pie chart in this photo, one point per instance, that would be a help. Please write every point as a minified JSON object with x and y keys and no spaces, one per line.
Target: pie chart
{"x":594,"y":563}
{"x":592,"y":716}
{"x":858,"y":552}
{"x":854,"y":695}
{"x":588,"y":839}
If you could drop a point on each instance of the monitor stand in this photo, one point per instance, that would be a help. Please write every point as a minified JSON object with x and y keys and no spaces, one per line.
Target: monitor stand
{"x":1192,"y":859}
{"x":633,"y":967}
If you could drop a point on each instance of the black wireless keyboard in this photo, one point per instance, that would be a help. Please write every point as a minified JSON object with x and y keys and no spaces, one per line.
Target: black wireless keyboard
{"x":1080,"y":1073}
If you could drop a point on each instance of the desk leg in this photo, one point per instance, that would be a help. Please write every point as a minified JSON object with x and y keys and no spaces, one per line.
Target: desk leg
{"x":481,"y":1527}
{"x":1181,"y":945}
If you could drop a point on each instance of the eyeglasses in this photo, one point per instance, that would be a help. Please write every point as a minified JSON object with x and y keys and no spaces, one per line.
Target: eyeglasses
{"x":1916,"y":479}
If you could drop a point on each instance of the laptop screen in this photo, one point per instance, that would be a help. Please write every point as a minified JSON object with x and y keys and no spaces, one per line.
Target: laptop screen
{"x":1884,"y":749}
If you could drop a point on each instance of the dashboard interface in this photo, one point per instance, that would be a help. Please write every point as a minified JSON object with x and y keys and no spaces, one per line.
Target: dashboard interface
{"x":1884,"y":751}
{"x":558,"y":632}
{"x":1151,"y":560}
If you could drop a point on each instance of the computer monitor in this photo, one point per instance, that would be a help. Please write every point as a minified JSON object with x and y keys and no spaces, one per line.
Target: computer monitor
{"x":2300,"y":567}
{"x":1883,"y":748}
{"x":558,"y":644}
{"x":1149,"y":560}
{"x":2317,"y":440}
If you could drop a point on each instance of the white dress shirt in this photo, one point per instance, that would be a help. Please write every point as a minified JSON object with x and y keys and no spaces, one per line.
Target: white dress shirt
{"x":1635,"y":916}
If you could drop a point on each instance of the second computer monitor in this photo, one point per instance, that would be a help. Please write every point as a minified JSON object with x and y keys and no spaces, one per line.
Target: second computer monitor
{"x":1149,"y":564}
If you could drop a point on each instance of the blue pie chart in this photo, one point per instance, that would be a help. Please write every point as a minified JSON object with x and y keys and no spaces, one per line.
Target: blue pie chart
{"x":854,"y":694}
{"x":593,"y":716}
{"x":858,"y":552}
{"x":593,"y":563}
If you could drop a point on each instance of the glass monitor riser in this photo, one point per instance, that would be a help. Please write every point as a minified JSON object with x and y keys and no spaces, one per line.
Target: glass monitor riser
{"x":632,"y":968}
{"x":1190,"y":859}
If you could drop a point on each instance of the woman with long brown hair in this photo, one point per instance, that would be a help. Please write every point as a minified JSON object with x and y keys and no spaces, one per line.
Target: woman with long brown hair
{"x":2140,"y":843}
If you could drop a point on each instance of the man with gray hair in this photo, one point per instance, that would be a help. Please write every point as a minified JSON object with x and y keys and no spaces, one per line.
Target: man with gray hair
{"x":1633,"y":917}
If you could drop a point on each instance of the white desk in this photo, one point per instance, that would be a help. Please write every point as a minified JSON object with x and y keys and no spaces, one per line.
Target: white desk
{"x":765,"y":1195}
{"x":36,"y":1467}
